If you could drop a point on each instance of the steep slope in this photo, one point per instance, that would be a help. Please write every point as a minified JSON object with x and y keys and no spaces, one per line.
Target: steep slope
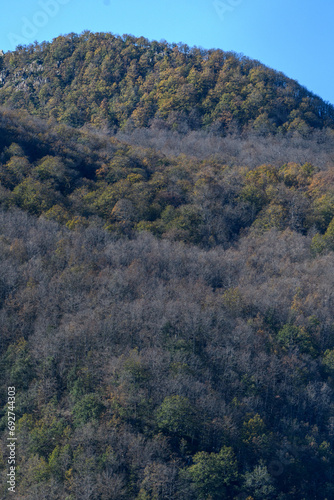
{"x":149,"y":369}
{"x":166,"y":312}
{"x":79,"y":177}
{"x":114,"y":81}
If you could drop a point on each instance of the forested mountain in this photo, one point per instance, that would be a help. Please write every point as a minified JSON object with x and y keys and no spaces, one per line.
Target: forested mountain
{"x":115,"y":81}
{"x":166,"y":275}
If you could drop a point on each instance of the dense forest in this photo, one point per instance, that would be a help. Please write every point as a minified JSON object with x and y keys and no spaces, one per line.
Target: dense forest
{"x":115,"y":81}
{"x":166,"y":274}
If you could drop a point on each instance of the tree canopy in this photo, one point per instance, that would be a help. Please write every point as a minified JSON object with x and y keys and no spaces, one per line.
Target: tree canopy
{"x":119,"y":81}
{"x":166,"y":274}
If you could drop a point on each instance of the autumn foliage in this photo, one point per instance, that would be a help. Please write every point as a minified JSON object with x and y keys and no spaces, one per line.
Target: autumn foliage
{"x":166,"y":274}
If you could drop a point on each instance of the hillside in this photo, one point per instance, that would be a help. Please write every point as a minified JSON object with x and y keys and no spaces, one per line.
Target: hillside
{"x":114,"y":81}
{"x":166,"y":275}
{"x":78,"y":176}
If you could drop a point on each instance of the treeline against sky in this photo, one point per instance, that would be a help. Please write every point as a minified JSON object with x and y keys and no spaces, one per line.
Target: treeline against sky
{"x":115,"y":81}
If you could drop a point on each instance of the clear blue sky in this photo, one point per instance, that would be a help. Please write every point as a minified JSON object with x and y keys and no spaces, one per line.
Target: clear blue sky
{"x":293,"y":36}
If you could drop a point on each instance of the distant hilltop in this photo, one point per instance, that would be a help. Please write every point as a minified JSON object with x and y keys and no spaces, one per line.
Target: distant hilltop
{"x":118,"y":81}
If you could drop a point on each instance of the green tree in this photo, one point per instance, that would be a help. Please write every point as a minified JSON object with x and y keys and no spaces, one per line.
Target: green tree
{"x":259,"y":484}
{"x":213,"y":474}
{"x":292,"y":335}
{"x":329,"y":236}
{"x":20,"y":364}
{"x":88,"y":408}
{"x":34,"y":196}
{"x":52,"y":169}
{"x":328,"y":360}
{"x":177,"y":416}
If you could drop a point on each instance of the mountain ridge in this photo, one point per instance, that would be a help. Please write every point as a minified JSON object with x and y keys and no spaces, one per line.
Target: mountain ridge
{"x":119,"y":81}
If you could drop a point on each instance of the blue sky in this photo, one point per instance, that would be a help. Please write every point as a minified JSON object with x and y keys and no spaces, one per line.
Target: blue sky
{"x":293,"y":36}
